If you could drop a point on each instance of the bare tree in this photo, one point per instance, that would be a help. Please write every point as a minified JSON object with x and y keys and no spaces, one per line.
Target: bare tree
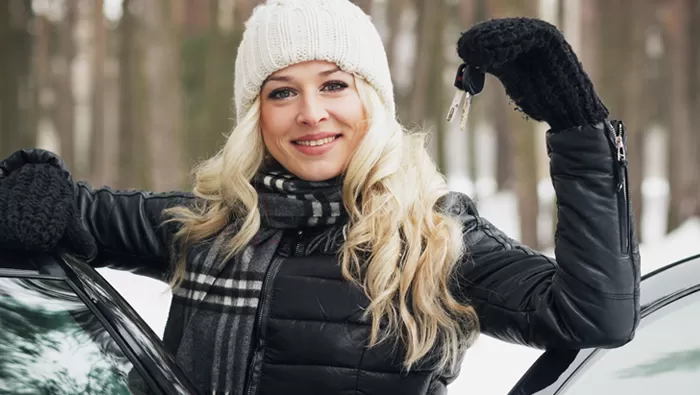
{"x":63,"y":80}
{"x":164,"y":98}
{"x":366,"y":5}
{"x":132,"y":102}
{"x":44,"y":96}
{"x":427,"y":97}
{"x":695,"y":94}
{"x":622,"y":80}
{"x":102,"y":156}
{"x":15,"y":50}
{"x":682,"y":191}
{"x":394,"y":14}
{"x":242,"y":10}
{"x":521,"y":134}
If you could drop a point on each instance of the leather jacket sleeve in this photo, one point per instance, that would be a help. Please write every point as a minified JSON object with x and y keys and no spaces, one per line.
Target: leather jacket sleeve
{"x":589,"y":295}
{"x":128,"y":225}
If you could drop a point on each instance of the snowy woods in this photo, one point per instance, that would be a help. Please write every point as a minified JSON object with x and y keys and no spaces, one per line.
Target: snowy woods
{"x":132,"y":93}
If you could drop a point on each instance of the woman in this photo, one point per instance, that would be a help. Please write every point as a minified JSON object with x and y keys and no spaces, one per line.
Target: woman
{"x":321,"y":252}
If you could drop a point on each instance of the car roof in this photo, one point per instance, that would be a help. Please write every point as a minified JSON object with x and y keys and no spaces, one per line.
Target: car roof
{"x":657,"y":288}
{"x":669,"y":280}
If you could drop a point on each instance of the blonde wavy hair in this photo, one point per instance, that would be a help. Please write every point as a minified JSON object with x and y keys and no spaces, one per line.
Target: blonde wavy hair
{"x":398,"y":248}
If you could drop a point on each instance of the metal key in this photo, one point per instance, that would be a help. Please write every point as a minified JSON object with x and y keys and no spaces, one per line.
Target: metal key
{"x":456,"y":103}
{"x":465,"y":112}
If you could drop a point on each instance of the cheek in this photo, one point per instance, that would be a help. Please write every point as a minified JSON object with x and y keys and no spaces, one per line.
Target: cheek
{"x":351,"y":114}
{"x":273,"y":127}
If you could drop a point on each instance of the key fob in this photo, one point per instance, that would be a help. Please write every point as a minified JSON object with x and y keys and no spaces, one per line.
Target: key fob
{"x":469,"y":79}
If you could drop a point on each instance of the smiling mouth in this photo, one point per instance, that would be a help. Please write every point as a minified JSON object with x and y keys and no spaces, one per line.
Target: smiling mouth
{"x":316,"y":143}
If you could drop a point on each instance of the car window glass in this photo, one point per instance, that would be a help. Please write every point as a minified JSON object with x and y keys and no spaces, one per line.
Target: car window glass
{"x":51,"y":343}
{"x":663,"y":358}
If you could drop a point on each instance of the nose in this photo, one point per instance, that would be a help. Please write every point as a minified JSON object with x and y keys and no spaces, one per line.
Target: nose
{"x":312,"y":111}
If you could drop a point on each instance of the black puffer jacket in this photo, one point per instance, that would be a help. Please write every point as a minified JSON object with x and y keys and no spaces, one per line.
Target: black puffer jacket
{"x":310,"y":339}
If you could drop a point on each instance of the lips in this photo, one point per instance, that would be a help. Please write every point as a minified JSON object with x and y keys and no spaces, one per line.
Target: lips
{"x":317,"y":144}
{"x":316,"y":137}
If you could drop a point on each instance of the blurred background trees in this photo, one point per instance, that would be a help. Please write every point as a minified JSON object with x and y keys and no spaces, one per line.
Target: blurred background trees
{"x":132,"y":93}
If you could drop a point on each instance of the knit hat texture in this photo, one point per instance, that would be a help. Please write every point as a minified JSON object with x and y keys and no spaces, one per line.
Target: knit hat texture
{"x":281,"y":33}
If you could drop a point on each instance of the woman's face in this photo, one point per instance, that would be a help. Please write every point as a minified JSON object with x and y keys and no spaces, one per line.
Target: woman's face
{"x":312,"y":118}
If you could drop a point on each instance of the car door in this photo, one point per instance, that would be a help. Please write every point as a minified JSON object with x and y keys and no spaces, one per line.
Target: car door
{"x":663,"y":358}
{"x":65,"y":330}
{"x":51,"y":342}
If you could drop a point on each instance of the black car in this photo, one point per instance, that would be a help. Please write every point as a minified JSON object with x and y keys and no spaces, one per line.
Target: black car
{"x":663,"y":358}
{"x":65,"y":330}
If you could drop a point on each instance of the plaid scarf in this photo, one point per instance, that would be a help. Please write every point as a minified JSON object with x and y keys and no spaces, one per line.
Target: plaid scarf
{"x":218,"y":301}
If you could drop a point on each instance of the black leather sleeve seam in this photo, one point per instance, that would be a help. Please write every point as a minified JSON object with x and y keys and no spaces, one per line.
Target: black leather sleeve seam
{"x":502,"y":240}
{"x":165,"y":195}
{"x":511,"y":310}
{"x":607,"y":295}
{"x":576,"y":176}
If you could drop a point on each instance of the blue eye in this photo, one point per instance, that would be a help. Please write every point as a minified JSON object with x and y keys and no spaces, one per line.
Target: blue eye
{"x":280,"y":94}
{"x":335,"y":86}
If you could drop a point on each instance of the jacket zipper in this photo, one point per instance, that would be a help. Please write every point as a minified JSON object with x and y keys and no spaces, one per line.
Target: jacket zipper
{"x":622,"y":187}
{"x":262,"y":309}
{"x":261,"y":313}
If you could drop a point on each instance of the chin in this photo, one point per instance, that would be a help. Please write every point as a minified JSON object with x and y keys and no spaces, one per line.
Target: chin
{"x":319,"y":172}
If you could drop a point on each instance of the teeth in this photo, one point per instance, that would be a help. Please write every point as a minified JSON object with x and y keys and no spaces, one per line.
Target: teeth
{"x":313,"y":143}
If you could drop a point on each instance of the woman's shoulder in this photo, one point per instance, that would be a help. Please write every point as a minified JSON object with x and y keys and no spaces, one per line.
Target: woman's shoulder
{"x":456,"y":203}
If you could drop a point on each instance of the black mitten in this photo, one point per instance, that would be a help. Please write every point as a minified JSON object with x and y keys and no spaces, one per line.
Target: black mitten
{"x":537,"y":67}
{"x":38,"y":211}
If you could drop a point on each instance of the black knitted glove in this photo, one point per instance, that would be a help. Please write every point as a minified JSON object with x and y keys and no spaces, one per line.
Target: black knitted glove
{"x":537,"y":67}
{"x":38,"y":212}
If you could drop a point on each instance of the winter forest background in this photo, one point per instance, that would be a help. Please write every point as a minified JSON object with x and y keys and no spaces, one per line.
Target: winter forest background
{"x":132,"y":93}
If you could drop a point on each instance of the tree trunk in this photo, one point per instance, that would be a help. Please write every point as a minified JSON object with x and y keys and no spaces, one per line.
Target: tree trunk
{"x":63,"y":78}
{"x":132,"y":152}
{"x":680,"y":155}
{"x":242,"y":11}
{"x":366,"y":5}
{"x":523,"y":139}
{"x":504,"y":149}
{"x":15,"y":52}
{"x":44,"y":96}
{"x":218,"y":82}
{"x":695,"y":96}
{"x":422,"y":64}
{"x":637,"y":105}
{"x":622,"y":81}
{"x":427,"y":104}
{"x":102,"y":163}
{"x":471,"y":12}
{"x":437,"y":101}
{"x":164,"y":98}
{"x":394,"y":13}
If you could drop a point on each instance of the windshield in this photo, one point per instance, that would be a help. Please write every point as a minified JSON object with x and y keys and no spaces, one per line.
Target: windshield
{"x":52,"y":343}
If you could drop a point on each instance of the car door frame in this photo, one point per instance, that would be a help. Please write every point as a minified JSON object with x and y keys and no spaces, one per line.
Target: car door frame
{"x":659,"y":289}
{"x":145,"y":351}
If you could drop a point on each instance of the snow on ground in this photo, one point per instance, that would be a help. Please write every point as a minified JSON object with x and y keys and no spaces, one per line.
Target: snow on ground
{"x":491,"y":367}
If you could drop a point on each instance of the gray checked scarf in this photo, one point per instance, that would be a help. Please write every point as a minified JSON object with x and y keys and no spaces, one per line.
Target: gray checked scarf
{"x":213,"y":313}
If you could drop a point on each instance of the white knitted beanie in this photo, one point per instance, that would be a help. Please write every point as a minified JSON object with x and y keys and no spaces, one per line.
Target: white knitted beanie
{"x":281,"y":33}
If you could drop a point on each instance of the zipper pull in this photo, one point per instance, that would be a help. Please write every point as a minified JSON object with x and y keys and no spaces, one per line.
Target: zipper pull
{"x":621,"y":154}
{"x":620,"y":145}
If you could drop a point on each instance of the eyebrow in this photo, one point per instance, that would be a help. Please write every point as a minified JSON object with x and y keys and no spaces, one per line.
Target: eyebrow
{"x":285,"y":78}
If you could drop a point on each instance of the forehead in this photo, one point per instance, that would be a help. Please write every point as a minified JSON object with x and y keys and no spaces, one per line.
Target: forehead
{"x":310,"y":68}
